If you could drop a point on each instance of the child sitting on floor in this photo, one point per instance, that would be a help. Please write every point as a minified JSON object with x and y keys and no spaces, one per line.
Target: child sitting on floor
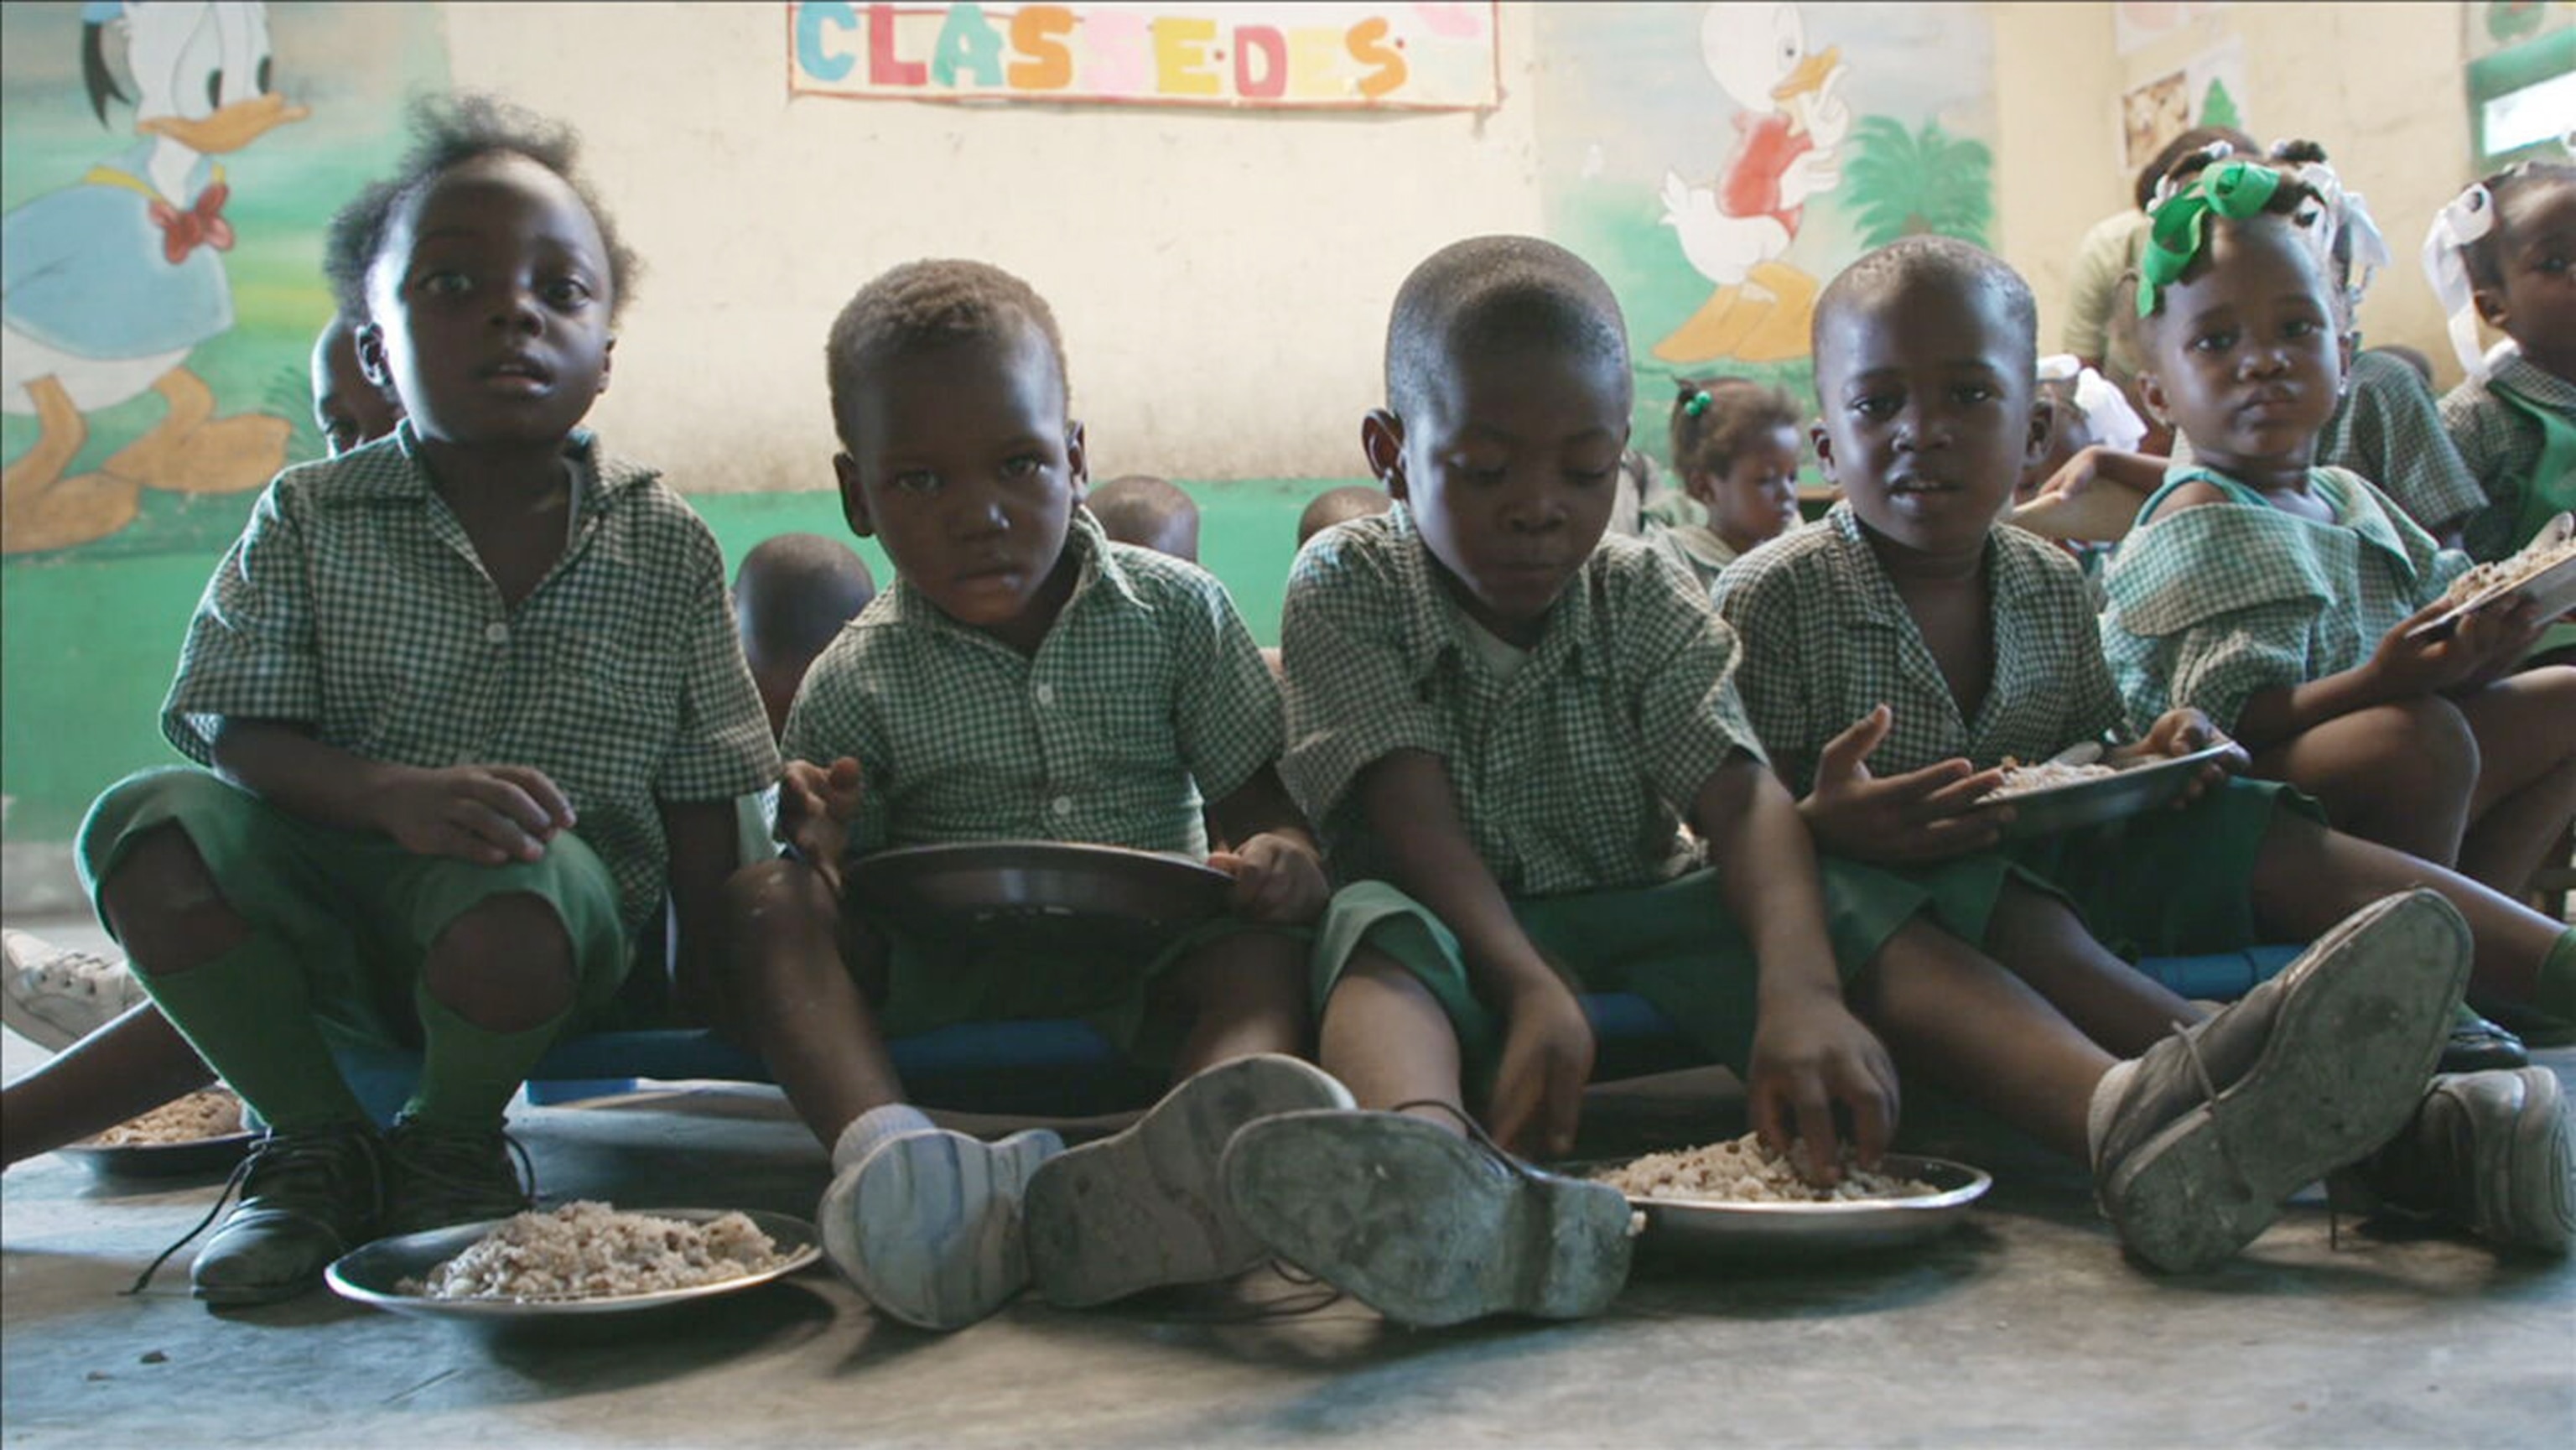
{"x":791,"y":596}
{"x":2505,"y":247}
{"x":1501,"y":718}
{"x":2284,"y":600}
{"x":1024,"y":678}
{"x":1957,"y":645}
{"x":476,"y":708}
{"x":1149,"y":512}
{"x":1339,"y":505}
{"x":1735,"y":444}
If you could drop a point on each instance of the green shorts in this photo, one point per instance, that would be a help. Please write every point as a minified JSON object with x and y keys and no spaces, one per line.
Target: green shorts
{"x":2169,"y":883}
{"x":358,"y":911}
{"x":1107,"y":980}
{"x":1672,"y":943}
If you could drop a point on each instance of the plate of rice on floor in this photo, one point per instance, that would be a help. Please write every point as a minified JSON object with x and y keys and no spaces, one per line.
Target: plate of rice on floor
{"x":583,"y":1258}
{"x":199,"y":1133}
{"x":2544,"y":570}
{"x":1739,"y":1198}
{"x":2054,"y":796}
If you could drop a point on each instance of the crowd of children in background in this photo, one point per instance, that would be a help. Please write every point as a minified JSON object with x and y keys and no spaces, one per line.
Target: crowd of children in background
{"x":485,"y":752}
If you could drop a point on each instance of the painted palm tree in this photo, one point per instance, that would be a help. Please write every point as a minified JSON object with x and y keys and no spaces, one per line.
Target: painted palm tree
{"x":1900,"y":183}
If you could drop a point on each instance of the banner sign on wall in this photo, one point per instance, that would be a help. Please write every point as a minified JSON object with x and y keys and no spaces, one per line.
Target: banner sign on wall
{"x":1324,"y":56}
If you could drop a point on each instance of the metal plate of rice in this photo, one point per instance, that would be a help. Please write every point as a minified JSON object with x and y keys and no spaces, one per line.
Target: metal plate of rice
{"x":386,"y":1273}
{"x":201,"y":1133}
{"x":1743,"y":1228}
{"x":2128,"y":791}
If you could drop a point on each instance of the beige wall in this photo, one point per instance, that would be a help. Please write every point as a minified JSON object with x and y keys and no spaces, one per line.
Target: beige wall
{"x":1222,"y":280}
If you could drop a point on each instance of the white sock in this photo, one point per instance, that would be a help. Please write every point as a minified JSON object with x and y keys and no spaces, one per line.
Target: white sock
{"x":2106,"y":1102}
{"x":872,"y":1129}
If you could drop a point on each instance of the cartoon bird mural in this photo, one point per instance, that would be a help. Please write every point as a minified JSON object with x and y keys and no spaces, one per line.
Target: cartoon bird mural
{"x":108,"y":285}
{"x":1735,"y":232}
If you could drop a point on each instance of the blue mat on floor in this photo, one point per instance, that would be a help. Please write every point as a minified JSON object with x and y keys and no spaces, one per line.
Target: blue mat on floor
{"x":1065,"y":1069}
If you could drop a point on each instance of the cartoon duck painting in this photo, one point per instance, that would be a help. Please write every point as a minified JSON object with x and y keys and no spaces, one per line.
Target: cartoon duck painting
{"x":1735,"y":232}
{"x":108,"y":285}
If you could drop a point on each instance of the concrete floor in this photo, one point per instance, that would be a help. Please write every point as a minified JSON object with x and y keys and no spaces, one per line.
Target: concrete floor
{"x":2026,"y":1327}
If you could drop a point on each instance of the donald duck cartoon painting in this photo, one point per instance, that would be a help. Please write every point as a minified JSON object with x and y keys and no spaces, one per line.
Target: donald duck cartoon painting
{"x":1788,"y":125}
{"x":107,"y":285}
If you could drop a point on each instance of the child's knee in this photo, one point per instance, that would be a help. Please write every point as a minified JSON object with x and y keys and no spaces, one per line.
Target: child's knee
{"x":164,"y":905}
{"x":506,"y":962}
{"x":2422,"y":746}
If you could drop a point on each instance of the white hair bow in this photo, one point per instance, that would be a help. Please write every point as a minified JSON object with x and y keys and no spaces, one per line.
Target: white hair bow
{"x":2345,"y":214}
{"x":2468,"y":217}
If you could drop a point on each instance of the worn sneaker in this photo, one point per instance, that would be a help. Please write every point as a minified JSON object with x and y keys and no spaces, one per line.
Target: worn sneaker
{"x":927,"y":1226}
{"x":1147,"y":1207}
{"x":438,"y":1177}
{"x":1424,"y":1226}
{"x":2490,"y":1152}
{"x":2478,"y":1045}
{"x":2197,"y":1141}
{"x":307,"y":1198}
{"x":54,"y":997}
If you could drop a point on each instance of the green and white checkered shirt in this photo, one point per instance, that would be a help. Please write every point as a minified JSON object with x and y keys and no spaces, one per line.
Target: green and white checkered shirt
{"x":1696,"y":547}
{"x":354,"y":603}
{"x":2502,"y":446}
{"x":1573,"y":773}
{"x":1827,"y":640}
{"x":2388,"y":430}
{"x":2211,"y":605}
{"x":1146,"y":695}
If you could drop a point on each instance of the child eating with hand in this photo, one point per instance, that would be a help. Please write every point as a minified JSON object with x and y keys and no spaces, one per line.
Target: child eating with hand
{"x":1023,"y":678}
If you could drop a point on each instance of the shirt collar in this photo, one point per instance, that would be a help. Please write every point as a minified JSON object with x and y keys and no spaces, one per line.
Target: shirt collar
{"x":1438,"y":624}
{"x":395,"y":468}
{"x":2535,"y":382}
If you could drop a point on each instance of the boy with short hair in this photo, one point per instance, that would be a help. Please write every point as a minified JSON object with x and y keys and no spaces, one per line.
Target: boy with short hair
{"x":1149,"y":512}
{"x":792,"y":594}
{"x":1023,"y":678}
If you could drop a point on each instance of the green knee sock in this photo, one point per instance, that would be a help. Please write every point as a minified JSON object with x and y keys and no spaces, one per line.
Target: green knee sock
{"x":249,"y":1014}
{"x":468,"y":1073}
{"x":2555,"y":993}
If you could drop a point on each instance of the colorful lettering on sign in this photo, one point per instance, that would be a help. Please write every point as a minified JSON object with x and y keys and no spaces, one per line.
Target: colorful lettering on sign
{"x":1207,"y":54}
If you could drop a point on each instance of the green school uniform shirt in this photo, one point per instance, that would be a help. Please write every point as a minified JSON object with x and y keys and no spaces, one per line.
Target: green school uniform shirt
{"x":2503,"y":445}
{"x":1146,"y":697}
{"x":1827,"y":640}
{"x":354,"y":604}
{"x":2388,"y":429}
{"x":2212,"y":604}
{"x":1572,"y":768}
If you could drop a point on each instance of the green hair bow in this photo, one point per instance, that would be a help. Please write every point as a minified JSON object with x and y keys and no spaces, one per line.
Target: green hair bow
{"x":2178,"y":230}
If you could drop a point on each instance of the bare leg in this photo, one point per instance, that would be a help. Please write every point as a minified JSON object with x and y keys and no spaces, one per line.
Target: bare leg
{"x":130,"y":1066}
{"x":2042,"y":942}
{"x":1386,"y":1038}
{"x":795,"y":995}
{"x":164,"y":906}
{"x":1241,"y":996}
{"x":2525,"y":726}
{"x":2397,"y":774}
{"x":504,"y":964}
{"x":2308,"y":878}
{"x":1951,"y":1013}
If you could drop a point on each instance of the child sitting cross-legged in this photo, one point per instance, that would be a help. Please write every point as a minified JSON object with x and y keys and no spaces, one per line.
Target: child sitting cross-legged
{"x":2286,"y":601}
{"x":1900,"y":649}
{"x":1023,"y":678}
{"x":472,"y":710}
{"x":1501,"y":719}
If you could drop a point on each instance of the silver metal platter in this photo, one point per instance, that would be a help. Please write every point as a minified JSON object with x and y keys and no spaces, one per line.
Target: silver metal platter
{"x":369,"y":1275}
{"x":187,"y":1158}
{"x":2553,"y":589}
{"x":984,"y":882}
{"x":1735,"y":1228}
{"x":2133,"y":790}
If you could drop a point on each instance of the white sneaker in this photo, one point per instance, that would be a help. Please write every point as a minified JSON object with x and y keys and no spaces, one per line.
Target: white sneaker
{"x":54,"y":997}
{"x":927,"y":1227}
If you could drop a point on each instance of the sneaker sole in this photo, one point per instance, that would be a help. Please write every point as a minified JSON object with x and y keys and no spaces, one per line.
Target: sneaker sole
{"x":2527,"y":1174}
{"x":928,"y":1227}
{"x":2362,"y":1021}
{"x":1423,"y":1226}
{"x":1147,"y":1206}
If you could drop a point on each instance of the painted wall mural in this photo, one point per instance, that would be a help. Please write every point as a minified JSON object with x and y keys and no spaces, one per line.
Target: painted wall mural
{"x":170,"y":167}
{"x":1716,"y":162}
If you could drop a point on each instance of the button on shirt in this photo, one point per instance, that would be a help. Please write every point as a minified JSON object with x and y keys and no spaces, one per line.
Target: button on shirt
{"x":1827,"y":639}
{"x":1146,"y":694}
{"x":354,"y":604}
{"x":1572,"y":769}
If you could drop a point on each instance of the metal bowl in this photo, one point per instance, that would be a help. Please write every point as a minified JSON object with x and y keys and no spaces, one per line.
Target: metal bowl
{"x":369,"y":1275}
{"x":1734,"y":1228}
{"x":192,"y":1157}
{"x":1037,"y":883}
{"x":2133,"y":790}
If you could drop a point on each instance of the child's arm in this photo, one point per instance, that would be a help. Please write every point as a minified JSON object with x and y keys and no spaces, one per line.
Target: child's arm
{"x":485,"y":813}
{"x":705,"y":849}
{"x":1412,"y":808}
{"x":1278,"y":872}
{"x":2481,"y":648}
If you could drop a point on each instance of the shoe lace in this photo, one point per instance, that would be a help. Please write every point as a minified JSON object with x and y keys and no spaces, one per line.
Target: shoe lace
{"x":274,"y":1157}
{"x":443,"y":1167}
